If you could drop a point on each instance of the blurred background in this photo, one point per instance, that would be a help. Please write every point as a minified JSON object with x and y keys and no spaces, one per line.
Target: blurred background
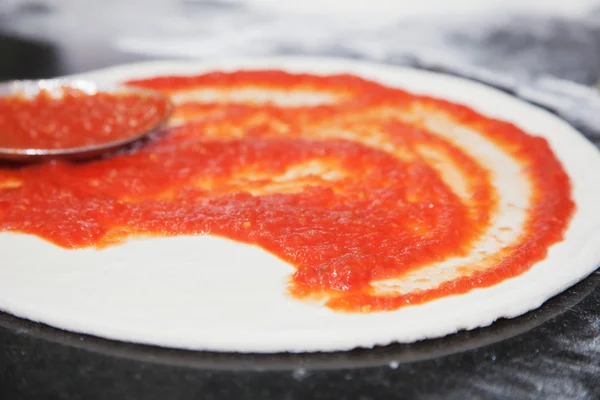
{"x":510,"y":37}
{"x":545,"y":50}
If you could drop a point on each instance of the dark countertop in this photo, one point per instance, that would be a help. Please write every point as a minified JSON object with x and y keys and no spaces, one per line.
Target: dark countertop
{"x":550,"y":353}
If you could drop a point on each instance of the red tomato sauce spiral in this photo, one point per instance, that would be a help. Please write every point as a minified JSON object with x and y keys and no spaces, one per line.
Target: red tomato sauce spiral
{"x":344,"y":190}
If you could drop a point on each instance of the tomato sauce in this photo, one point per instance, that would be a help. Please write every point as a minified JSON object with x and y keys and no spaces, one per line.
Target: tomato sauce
{"x":76,"y":118}
{"x":347,"y":210}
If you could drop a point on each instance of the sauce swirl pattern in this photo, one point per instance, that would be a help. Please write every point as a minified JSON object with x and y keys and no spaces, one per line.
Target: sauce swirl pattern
{"x":379,"y":198}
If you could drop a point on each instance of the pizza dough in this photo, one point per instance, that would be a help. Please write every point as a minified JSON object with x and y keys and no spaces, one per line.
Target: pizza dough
{"x":210,"y":293}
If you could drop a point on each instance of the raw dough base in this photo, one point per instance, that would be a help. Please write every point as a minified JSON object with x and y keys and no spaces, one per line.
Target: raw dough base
{"x":183,"y":292}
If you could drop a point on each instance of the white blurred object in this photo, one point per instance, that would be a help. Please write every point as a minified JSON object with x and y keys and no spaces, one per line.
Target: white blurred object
{"x":396,"y":8}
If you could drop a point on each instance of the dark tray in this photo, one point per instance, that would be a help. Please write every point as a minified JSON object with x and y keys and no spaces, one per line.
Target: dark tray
{"x":549,"y":353}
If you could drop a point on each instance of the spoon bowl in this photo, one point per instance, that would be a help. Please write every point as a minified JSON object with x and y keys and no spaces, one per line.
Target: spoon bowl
{"x":55,"y":88}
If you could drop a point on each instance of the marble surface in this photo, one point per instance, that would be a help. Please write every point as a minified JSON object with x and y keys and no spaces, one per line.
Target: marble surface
{"x":550,"y":57}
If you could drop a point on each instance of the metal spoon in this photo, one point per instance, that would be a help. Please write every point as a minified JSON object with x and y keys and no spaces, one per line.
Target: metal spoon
{"x":31,"y":88}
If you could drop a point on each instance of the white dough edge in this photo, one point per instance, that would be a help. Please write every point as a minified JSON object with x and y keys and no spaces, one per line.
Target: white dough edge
{"x":37,"y":281}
